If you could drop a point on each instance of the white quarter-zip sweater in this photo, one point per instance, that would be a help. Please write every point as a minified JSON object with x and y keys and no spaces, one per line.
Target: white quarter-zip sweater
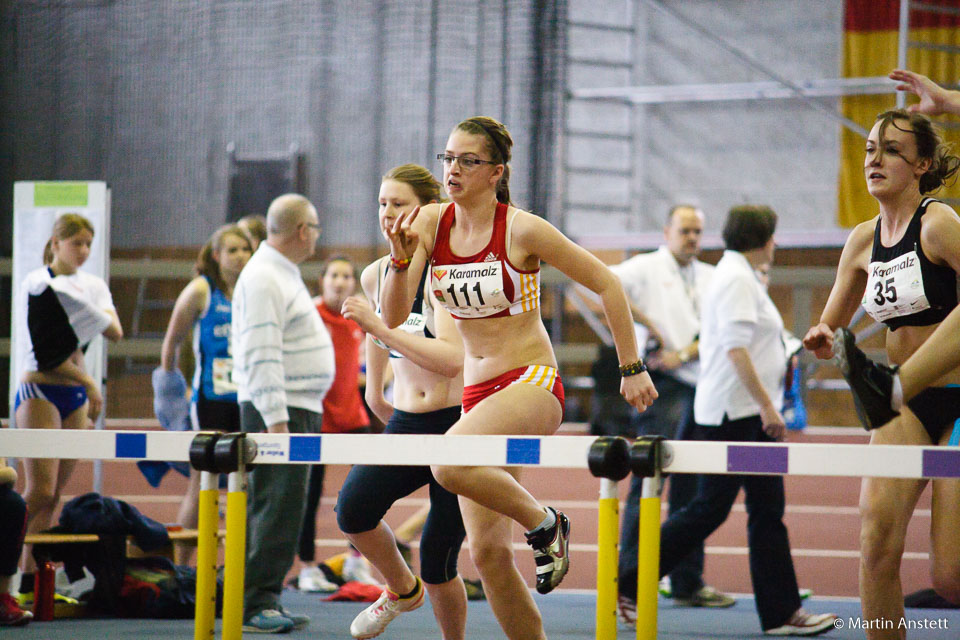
{"x":282,"y":353}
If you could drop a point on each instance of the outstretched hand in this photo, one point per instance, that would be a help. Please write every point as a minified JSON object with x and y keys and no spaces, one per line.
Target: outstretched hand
{"x":819,"y":340}
{"x":933,"y":97}
{"x":401,"y":236}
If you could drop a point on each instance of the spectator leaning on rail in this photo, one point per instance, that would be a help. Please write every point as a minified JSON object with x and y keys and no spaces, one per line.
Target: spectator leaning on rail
{"x":283,"y":367}
{"x":665,"y":288}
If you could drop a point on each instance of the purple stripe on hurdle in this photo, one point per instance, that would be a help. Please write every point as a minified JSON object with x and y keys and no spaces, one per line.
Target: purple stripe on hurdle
{"x":748,"y":459}
{"x":941,"y":464}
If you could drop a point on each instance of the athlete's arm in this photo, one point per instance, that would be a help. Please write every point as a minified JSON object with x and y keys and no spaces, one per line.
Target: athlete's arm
{"x":190,"y":304}
{"x":940,"y":235}
{"x":542,"y":240}
{"x":377,"y":362}
{"x":940,"y":353}
{"x":409,"y":236}
{"x":443,"y":355}
{"x":377,"y":358}
{"x":846,"y":294}
{"x":113,"y":332}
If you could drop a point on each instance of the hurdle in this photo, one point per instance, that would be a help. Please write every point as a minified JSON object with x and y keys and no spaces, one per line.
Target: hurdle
{"x":806,"y":459}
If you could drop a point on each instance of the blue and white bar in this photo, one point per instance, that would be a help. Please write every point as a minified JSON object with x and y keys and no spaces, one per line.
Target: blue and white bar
{"x":805,"y":459}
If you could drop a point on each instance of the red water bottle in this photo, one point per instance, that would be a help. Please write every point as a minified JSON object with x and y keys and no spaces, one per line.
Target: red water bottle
{"x":43,"y":592}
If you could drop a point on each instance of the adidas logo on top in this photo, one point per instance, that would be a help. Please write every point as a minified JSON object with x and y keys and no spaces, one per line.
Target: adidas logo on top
{"x":491,"y":257}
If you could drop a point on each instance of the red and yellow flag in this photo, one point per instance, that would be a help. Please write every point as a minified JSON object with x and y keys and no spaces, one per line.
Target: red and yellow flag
{"x":871,"y":30}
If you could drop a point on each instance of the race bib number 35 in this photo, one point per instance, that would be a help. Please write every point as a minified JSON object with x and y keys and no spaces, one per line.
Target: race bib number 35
{"x":895,"y":288}
{"x":470,"y":290}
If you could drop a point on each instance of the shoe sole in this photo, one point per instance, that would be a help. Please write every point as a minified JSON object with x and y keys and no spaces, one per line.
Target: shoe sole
{"x":722,"y":604}
{"x":843,"y":363}
{"x":248,"y":629}
{"x":815,"y":630}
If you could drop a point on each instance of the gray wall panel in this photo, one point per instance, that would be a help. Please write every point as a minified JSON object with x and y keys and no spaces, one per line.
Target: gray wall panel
{"x":718,"y":154}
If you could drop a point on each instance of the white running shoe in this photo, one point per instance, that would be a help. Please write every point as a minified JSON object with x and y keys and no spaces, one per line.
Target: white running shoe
{"x":357,"y":569}
{"x":803,"y":623}
{"x":374,"y":619}
{"x":313,"y":580}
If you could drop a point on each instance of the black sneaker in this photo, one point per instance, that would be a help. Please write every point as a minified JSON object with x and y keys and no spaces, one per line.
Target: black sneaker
{"x":870,"y":383}
{"x":550,"y":550}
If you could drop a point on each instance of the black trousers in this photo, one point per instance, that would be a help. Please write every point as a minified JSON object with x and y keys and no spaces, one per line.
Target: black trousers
{"x":771,"y":567}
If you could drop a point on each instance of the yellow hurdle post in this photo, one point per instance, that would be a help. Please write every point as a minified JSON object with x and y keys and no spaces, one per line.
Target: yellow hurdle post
{"x":205,"y":613}
{"x":233,"y":574}
{"x":608,"y":509}
{"x":648,"y":565}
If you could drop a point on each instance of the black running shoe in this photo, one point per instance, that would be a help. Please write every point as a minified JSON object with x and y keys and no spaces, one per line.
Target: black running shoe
{"x":870,"y":383}
{"x":551,"y":552}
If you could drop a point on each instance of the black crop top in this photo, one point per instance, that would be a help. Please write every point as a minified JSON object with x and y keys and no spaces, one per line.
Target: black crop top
{"x":905,"y":289}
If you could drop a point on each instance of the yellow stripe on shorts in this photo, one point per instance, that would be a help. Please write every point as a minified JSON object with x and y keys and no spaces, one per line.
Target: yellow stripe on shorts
{"x":539,"y":375}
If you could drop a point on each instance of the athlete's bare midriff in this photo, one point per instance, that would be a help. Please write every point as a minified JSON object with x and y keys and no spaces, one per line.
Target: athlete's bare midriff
{"x":417,"y":390}
{"x":493,"y":346}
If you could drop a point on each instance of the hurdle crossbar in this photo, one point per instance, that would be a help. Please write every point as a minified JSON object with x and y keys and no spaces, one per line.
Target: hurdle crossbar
{"x":805,"y":459}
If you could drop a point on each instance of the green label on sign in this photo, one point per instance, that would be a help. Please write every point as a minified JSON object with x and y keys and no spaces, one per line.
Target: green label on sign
{"x":60,"y":194}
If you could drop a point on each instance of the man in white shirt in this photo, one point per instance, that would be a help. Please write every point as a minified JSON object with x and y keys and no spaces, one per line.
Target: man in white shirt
{"x":283,"y":366}
{"x":665,"y":288}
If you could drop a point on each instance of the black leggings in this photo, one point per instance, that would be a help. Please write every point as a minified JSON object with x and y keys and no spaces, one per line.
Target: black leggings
{"x":369,"y":491}
{"x":13,"y":526}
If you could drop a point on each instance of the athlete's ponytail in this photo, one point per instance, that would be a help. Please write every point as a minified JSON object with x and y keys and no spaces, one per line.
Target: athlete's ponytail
{"x":499,"y":144}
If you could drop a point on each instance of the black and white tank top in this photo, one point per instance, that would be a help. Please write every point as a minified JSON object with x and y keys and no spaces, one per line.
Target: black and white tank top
{"x":905,"y":289}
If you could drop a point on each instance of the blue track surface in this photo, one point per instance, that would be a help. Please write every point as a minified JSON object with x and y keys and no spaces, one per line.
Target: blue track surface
{"x":567,"y":616}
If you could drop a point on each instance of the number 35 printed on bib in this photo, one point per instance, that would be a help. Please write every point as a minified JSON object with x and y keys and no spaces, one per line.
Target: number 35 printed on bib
{"x":895,"y":288}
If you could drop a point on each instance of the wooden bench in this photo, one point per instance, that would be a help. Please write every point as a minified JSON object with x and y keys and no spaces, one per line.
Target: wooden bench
{"x":133,"y":551}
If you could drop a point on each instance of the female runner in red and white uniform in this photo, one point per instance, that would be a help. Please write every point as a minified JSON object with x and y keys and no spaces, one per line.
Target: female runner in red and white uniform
{"x":484,"y":259}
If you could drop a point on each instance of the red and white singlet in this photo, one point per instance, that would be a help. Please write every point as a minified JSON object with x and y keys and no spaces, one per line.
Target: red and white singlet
{"x":486,"y":284}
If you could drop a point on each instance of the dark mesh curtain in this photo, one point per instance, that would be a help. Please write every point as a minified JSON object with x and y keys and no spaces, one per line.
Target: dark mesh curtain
{"x":147,"y":95}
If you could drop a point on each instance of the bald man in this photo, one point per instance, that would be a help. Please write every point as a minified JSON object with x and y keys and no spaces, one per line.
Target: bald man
{"x":283,"y":366}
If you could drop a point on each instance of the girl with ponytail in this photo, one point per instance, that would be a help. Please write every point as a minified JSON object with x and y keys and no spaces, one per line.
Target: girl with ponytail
{"x":203,"y":308}
{"x":484,"y":259}
{"x":902,"y":267}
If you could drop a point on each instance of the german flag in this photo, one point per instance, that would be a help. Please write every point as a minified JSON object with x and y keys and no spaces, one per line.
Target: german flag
{"x":871,"y":30}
